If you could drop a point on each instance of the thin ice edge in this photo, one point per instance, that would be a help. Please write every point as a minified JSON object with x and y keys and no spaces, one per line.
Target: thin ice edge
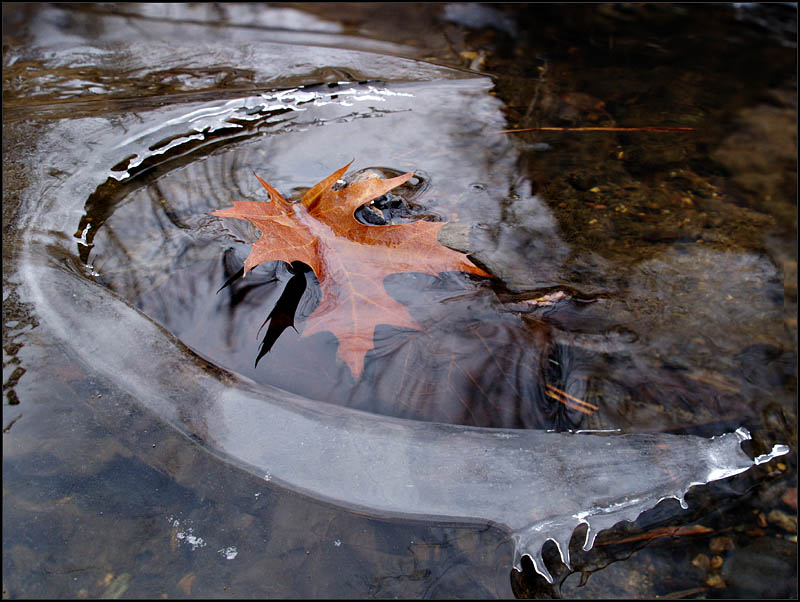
{"x":533,"y":550}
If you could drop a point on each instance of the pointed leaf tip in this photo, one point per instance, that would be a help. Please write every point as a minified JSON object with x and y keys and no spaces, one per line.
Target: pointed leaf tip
{"x":312,"y":196}
{"x":274,"y":195}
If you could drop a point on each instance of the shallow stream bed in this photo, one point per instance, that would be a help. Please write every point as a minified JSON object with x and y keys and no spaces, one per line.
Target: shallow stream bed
{"x":640,"y":233}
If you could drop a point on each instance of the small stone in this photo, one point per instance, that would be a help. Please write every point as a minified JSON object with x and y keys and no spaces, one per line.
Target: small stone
{"x":785,"y":521}
{"x":790,"y":498}
{"x":781,"y":466}
{"x":702,"y":561}
{"x":721,"y":544}
{"x":715,"y":581}
{"x":762,"y":520}
{"x":716,"y":562}
{"x":455,"y":236}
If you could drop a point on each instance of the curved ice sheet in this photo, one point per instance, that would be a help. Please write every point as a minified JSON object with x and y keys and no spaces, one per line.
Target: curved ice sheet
{"x":539,"y":485}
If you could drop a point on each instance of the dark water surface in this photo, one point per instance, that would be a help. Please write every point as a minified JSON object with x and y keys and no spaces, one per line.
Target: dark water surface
{"x":642,"y":281}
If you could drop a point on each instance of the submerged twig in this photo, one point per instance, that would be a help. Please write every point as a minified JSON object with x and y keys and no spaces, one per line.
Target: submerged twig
{"x":10,"y":424}
{"x":570,"y":401}
{"x":659,"y":533}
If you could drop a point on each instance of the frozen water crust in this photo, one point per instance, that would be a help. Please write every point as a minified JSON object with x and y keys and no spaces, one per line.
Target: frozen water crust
{"x":538,"y":485}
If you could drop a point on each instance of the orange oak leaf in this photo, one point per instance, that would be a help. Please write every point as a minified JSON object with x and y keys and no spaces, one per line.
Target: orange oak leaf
{"x":350,"y":259}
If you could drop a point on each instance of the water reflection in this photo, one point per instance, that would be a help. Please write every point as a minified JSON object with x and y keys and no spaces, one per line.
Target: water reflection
{"x":469,"y":356}
{"x":561,"y":339}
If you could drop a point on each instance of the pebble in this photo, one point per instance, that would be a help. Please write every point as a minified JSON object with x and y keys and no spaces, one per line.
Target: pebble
{"x":702,"y":561}
{"x":716,"y":581}
{"x":716,"y":562}
{"x":790,"y":498}
{"x":721,"y":544}
{"x":785,"y":521}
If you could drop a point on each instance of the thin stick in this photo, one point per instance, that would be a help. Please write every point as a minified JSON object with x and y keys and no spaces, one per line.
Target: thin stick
{"x":569,"y":404}
{"x":568,"y":396}
{"x":598,"y":129}
{"x":660,"y":532}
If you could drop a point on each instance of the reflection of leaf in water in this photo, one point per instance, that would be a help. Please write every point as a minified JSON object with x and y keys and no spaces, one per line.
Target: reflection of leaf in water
{"x":283,"y":312}
{"x":282,"y":315}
